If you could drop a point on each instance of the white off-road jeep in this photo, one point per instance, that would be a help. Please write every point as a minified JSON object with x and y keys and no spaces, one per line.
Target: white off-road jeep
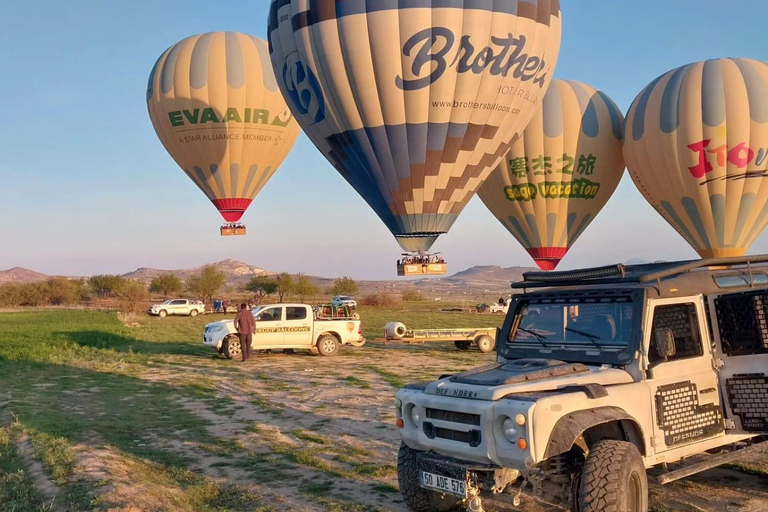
{"x":601,"y":374}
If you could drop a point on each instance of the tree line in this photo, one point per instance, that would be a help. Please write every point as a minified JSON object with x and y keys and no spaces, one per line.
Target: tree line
{"x":133,"y":294}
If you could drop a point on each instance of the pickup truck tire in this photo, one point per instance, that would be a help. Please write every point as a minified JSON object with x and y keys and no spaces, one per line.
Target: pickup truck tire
{"x":485,"y":343}
{"x":409,"y":480}
{"x":463,"y":345}
{"x":613,"y":479}
{"x":193,"y":313}
{"x":163,"y":313}
{"x":232,"y":347}
{"x":328,"y":345}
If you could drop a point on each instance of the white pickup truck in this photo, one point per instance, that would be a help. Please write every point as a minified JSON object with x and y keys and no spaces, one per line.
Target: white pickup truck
{"x":181,"y":307}
{"x":287,"y":326}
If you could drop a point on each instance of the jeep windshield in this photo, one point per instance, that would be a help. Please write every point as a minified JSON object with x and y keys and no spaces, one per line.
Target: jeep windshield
{"x":592,"y":329}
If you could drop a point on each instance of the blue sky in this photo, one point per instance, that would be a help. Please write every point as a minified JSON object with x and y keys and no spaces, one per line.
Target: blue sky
{"x":87,"y":188}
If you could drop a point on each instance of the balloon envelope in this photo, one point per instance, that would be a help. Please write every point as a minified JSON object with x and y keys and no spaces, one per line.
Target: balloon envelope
{"x":414,"y":102}
{"x":560,"y":172}
{"x":215,"y":104}
{"x":697,"y":148}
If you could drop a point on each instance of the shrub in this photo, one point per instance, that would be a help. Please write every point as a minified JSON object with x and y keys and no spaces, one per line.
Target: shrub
{"x":412,"y":295}
{"x":133,"y":296}
{"x":381,"y":299}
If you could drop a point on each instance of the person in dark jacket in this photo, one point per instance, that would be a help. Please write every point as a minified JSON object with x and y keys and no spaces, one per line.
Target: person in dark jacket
{"x":245,"y":326}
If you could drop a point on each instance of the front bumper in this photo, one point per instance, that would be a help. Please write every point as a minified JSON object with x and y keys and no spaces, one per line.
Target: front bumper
{"x":480,"y":478}
{"x":213,"y":339}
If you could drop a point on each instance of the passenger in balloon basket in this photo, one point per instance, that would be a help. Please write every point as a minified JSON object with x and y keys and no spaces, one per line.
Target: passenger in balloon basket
{"x":245,"y":325}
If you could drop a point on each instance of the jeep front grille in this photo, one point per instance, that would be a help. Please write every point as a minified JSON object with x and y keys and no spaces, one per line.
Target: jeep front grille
{"x":454,"y":416}
{"x":473,"y":438}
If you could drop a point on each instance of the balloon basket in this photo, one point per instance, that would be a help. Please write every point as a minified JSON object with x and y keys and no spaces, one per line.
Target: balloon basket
{"x":421,"y":265}
{"x":233,"y":230}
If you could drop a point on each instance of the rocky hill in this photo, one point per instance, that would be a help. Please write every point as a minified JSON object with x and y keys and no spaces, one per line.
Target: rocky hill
{"x":21,"y":275}
{"x":237,"y":273}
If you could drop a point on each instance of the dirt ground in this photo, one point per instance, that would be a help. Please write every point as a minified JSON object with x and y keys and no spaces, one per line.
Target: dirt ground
{"x":334,"y":420}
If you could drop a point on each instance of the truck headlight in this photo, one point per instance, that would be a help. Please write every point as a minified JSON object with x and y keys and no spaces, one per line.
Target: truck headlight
{"x":509,"y":428}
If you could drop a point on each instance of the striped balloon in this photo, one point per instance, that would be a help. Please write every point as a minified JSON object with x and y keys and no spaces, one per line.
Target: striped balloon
{"x":560,"y":173}
{"x":215,"y":104}
{"x":697,"y":149}
{"x":414,"y":102}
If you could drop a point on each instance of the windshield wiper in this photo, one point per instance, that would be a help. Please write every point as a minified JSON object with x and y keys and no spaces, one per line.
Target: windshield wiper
{"x":539,"y":337}
{"x":590,"y":337}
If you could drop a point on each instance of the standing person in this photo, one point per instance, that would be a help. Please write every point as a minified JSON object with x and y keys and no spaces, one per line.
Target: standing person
{"x":245,"y":326}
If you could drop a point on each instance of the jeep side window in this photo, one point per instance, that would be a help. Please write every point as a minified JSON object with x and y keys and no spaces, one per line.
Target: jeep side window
{"x":682,"y":320}
{"x":742,"y":319}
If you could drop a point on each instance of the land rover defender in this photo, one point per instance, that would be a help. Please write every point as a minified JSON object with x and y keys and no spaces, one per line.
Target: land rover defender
{"x":601,"y":374}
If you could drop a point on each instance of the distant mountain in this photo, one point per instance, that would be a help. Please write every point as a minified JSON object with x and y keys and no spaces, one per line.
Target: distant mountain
{"x":490,"y":274}
{"x":21,"y":275}
{"x":237,"y":272}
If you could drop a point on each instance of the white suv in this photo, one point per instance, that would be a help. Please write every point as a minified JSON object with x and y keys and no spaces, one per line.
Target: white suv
{"x":343,"y":300}
{"x":182,"y":307}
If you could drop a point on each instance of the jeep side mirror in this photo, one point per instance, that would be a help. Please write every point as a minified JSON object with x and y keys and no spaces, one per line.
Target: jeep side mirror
{"x":664,"y":341}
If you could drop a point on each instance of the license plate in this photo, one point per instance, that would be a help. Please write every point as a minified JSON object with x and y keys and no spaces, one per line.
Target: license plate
{"x":443,"y":484}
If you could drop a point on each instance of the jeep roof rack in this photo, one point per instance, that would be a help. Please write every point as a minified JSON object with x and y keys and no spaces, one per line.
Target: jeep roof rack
{"x":628,"y":273}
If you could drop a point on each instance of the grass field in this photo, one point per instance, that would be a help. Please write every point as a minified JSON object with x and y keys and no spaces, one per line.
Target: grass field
{"x":95,"y":415}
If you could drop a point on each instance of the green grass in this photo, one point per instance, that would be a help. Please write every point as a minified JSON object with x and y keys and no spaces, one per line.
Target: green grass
{"x":311,"y":437}
{"x":748,"y":469}
{"x":358,"y":383}
{"x":393,"y":379}
{"x":17,"y":491}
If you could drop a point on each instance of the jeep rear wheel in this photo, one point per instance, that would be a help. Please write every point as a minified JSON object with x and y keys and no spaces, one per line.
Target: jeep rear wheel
{"x":327,"y":345}
{"x":613,"y":479}
{"x":463,"y":345}
{"x":486,"y":344}
{"x":417,"y":498}
{"x":232,"y":347}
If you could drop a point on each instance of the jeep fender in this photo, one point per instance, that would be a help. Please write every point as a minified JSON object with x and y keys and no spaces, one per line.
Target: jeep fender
{"x":571,"y":426}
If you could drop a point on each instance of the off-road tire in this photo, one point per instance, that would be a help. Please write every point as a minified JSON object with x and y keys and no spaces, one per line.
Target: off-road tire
{"x":463,"y":345}
{"x":328,"y":345}
{"x":163,"y":313}
{"x":613,"y":479}
{"x":193,"y":313}
{"x":409,"y":480}
{"x":232,"y":347}
{"x":485,"y":344}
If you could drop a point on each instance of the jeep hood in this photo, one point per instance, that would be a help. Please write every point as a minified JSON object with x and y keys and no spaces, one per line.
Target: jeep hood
{"x":496,"y":381}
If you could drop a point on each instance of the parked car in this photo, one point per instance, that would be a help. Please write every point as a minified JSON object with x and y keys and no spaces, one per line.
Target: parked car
{"x":286,"y":326}
{"x":343,"y":300}
{"x":182,"y":307}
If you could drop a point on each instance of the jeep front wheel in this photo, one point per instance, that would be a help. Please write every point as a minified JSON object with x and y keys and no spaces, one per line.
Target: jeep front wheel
{"x":416,"y":497}
{"x":613,"y":478}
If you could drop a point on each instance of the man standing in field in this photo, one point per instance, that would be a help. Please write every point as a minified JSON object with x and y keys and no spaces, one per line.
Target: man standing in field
{"x":245,"y":326}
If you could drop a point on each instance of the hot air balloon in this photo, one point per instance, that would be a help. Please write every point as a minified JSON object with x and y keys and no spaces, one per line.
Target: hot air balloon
{"x":414,"y":102}
{"x":560,"y":172}
{"x":216,"y":106}
{"x":697,"y":149}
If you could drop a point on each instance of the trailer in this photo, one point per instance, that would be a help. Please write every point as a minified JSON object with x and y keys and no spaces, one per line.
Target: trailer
{"x":462,"y":338}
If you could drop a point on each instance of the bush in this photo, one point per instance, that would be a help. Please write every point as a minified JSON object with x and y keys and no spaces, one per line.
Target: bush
{"x":166,"y":284}
{"x":381,"y":299}
{"x":133,"y":296}
{"x":412,"y":295}
{"x":106,"y":285}
{"x":344,"y":286}
{"x":207,"y":283}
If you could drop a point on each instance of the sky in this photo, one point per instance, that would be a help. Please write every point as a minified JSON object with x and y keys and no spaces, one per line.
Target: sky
{"x":87,"y":188}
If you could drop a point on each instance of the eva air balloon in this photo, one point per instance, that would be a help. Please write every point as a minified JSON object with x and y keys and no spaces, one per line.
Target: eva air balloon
{"x":697,"y":149}
{"x":560,"y":172}
{"x":414,"y":102}
{"x":216,"y":106}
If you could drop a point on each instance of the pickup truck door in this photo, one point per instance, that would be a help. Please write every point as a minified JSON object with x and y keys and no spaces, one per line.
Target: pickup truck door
{"x":269,"y":328}
{"x":684,"y":387}
{"x":178,"y":307}
{"x":298,"y":327}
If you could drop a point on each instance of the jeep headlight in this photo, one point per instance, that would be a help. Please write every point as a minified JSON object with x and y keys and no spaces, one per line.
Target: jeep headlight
{"x":509,"y":428}
{"x":415,"y":415}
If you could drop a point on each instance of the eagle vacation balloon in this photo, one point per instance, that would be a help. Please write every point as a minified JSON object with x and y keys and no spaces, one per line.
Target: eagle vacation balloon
{"x":216,"y":106}
{"x":560,"y":172}
{"x":414,"y":102}
{"x":697,"y":148}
